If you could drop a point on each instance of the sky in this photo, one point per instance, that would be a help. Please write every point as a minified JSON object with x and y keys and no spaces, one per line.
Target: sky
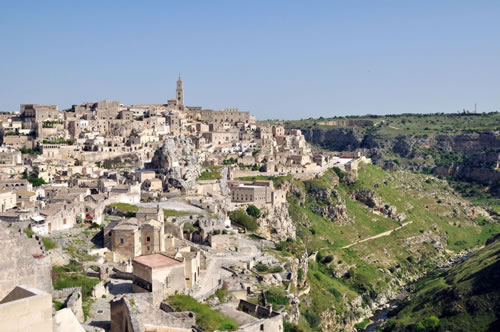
{"x":276,"y":59}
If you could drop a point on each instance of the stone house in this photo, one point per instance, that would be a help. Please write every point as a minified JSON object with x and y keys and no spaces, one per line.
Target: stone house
{"x":61,"y":216}
{"x":145,"y":214}
{"x":192,"y":266}
{"x":10,"y":157}
{"x":7,"y":200}
{"x":159,"y":274}
{"x":25,"y":198}
{"x":16,"y":184}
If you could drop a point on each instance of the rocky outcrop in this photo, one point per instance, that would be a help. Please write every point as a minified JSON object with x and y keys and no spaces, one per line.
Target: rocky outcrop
{"x":368,"y":197}
{"x":371,"y":199}
{"x":338,"y":139}
{"x":276,"y":224}
{"x":179,"y":162}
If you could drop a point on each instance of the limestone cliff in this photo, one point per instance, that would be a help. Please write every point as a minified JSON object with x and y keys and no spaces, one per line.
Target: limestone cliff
{"x":276,"y":224}
{"x":179,"y":162}
{"x":466,"y":156}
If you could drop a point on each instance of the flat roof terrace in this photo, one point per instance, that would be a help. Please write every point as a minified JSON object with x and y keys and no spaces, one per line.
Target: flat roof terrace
{"x":156,"y":260}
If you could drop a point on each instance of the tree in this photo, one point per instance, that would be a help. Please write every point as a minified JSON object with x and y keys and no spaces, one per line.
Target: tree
{"x":253,"y":211}
{"x":241,"y":218}
{"x":36,"y":182}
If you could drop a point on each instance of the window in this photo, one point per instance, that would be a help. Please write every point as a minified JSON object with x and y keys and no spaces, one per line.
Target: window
{"x":262,"y":327}
{"x":148,"y":239}
{"x":121,"y":241}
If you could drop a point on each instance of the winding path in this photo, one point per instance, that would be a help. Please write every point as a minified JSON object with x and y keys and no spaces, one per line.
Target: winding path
{"x":378,"y":235}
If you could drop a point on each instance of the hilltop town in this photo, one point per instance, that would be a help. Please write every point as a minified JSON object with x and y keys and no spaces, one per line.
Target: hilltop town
{"x":149,"y":217}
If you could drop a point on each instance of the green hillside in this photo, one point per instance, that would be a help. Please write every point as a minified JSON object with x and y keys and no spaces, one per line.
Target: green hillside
{"x":433,"y":224}
{"x":465,"y":298}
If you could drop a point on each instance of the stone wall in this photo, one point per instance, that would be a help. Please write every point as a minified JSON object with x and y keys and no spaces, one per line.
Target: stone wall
{"x":23,"y":261}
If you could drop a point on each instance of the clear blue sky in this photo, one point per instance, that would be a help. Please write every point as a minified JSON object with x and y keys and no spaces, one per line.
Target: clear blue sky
{"x":276,"y":59}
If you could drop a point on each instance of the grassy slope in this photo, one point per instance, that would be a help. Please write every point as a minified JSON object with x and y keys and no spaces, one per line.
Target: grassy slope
{"x":429,"y":205}
{"x":206,"y":318}
{"x":465,"y":298}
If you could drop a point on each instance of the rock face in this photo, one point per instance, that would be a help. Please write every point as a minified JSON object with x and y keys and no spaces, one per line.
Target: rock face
{"x":276,"y":223}
{"x":23,"y":262}
{"x":179,"y":162}
{"x":370,"y":199}
{"x":468,"y":157}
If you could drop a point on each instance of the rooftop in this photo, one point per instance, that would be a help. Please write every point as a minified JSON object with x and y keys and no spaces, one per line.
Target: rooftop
{"x":156,"y":260}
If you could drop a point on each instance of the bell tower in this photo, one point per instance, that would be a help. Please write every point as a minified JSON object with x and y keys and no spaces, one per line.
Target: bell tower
{"x":179,"y":93}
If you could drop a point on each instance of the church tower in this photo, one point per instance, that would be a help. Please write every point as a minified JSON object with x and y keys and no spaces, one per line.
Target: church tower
{"x":179,"y":93}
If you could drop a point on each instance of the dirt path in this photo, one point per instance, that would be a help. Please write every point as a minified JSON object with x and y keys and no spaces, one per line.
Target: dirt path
{"x":387,"y":233}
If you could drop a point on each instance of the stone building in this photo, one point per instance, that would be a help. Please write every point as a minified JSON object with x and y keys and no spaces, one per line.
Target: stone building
{"x":159,"y":274}
{"x":61,"y":216}
{"x":259,"y":191}
{"x":10,"y":157}
{"x":7,"y":200}
{"x":131,"y":238}
{"x":136,"y":313}
{"x":38,"y":113}
{"x":145,"y":214}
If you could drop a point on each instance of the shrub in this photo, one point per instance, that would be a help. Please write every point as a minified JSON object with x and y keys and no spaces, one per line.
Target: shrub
{"x":48,"y":243}
{"x":335,"y":292}
{"x":276,"y":296}
{"x":221,"y":294}
{"x":240,"y":217}
{"x":261,"y":267}
{"x":29,"y":233}
{"x":327,"y":259}
{"x":428,"y":323}
{"x":300,"y":274}
{"x":312,"y":318}
{"x":253,"y":211}
{"x":363,"y":324}
{"x":289,"y":327}
{"x":339,"y":172}
{"x":276,"y":269}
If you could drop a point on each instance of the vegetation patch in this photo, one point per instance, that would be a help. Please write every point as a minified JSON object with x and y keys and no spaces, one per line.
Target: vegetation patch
{"x":73,"y":275}
{"x":240,"y":217}
{"x":48,"y":243}
{"x":175,"y":213}
{"x":29,"y":233}
{"x":125,"y":207}
{"x":207,"y":319}
{"x":210,"y":173}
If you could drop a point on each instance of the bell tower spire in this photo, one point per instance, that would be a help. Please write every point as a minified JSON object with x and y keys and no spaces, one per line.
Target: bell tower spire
{"x":179,"y":95}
